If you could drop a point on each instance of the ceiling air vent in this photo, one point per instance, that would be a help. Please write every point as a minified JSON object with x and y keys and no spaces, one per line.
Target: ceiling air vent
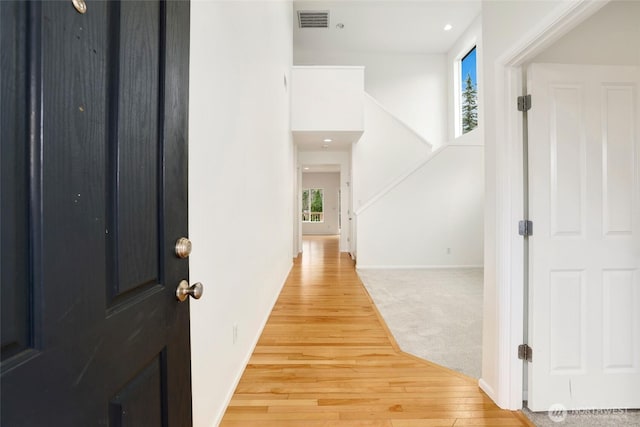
{"x":313,"y":18}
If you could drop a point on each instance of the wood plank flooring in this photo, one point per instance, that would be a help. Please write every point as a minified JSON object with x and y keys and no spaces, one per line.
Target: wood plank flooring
{"x":326,"y":358}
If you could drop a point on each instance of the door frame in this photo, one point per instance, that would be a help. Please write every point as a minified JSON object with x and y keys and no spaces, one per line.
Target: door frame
{"x":509,"y":190}
{"x":337,"y":158}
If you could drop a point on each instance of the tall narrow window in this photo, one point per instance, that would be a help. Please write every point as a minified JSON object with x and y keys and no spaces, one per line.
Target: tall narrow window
{"x":313,"y":205}
{"x":468,"y":91}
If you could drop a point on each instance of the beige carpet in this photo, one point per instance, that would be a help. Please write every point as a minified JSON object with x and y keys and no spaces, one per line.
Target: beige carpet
{"x":434,"y":314}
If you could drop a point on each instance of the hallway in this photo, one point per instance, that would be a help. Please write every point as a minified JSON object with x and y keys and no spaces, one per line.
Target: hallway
{"x":325,"y":358}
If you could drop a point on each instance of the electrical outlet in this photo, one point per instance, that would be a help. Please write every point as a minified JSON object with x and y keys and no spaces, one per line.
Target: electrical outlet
{"x":235,"y":333}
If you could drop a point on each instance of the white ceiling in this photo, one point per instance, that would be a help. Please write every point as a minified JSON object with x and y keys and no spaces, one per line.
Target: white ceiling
{"x":386,"y":26}
{"x":314,"y":140}
{"x":311,"y":168}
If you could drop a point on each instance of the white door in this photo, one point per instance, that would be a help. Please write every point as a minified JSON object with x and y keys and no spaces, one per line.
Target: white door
{"x":584,"y":156}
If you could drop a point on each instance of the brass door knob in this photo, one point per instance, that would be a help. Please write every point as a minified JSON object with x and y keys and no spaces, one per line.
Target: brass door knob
{"x":184,"y":290}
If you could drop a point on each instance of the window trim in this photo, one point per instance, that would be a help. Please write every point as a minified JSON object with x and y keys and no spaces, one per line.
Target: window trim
{"x":457,"y":87}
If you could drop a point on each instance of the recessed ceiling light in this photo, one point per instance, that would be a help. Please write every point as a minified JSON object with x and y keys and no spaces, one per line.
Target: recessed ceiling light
{"x":448,"y":27}
{"x":306,"y":168}
{"x":328,"y":140}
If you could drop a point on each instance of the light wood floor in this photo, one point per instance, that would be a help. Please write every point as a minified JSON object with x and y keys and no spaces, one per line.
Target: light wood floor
{"x":325,"y":358}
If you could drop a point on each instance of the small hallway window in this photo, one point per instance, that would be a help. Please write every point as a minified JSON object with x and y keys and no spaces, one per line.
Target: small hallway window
{"x":468,"y":92}
{"x":313,"y":205}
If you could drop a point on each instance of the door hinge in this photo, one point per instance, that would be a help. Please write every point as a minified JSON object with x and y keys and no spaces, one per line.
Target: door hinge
{"x":524,"y":103}
{"x":525,"y":228}
{"x":525,"y":353}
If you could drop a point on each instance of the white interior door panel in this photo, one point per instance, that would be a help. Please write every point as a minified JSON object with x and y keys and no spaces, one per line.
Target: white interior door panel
{"x":584,"y":322}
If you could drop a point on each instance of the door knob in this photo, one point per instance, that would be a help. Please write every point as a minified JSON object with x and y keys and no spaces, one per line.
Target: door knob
{"x":79,"y":5}
{"x":184,"y":290}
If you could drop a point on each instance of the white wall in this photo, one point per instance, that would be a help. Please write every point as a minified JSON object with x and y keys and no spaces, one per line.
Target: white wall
{"x":296,"y":203}
{"x":343,"y":159}
{"x":327,"y":98}
{"x":411,"y":86}
{"x":240,"y":186}
{"x":386,"y":150}
{"x":472,"y":36}
{"x":330,"y":184}
{"x":610,"y":37}
{"x":433,"y":218}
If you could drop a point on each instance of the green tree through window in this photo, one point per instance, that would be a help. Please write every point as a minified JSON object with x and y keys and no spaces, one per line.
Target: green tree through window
{"x":316,"y":204}
{"x":469,"y":106}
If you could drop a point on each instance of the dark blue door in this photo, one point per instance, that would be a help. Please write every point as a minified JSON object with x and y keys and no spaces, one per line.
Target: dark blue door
{"x":93,"y":198}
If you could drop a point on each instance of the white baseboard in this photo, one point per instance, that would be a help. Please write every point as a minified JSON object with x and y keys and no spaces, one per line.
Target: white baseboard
{"x":487,"y":389}
{"x":245,"y":362}
{"x":413,"y":267}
